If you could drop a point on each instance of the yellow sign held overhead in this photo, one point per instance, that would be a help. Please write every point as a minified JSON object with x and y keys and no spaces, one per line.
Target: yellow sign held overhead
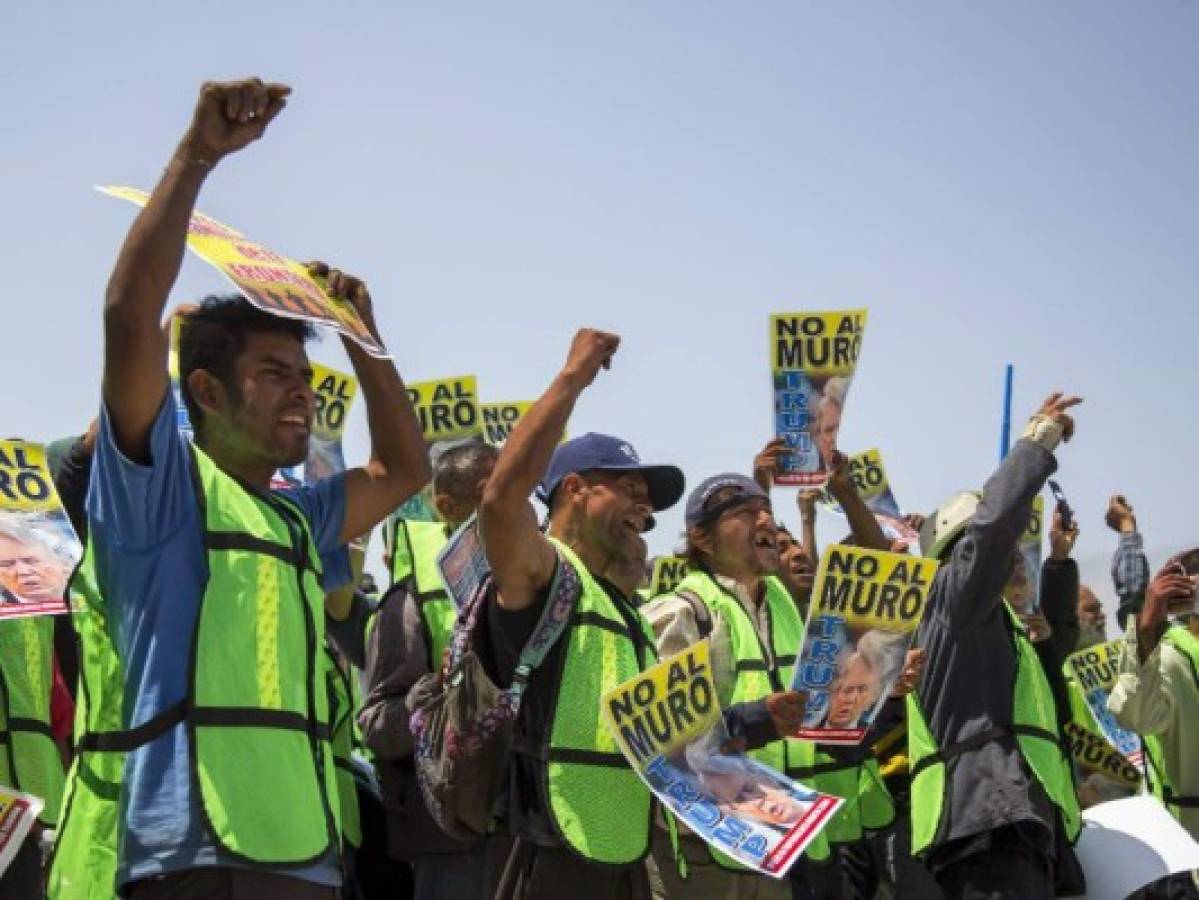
{"x":272,"y":282}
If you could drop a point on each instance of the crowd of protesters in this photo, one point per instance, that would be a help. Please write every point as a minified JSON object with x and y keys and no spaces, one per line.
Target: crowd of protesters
{"x":244,"y":697}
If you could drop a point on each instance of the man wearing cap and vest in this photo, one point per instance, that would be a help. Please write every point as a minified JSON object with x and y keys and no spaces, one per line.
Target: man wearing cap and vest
{"x":411,"y":630}
{"x":733,"y":597}
{"x":1157,"y":693}
{"x":211,"y":581}
{"x":994,"y":811}
{"x":580,"y":815}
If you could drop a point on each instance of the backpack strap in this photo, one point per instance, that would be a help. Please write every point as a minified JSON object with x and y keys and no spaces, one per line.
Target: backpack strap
{"x":703,"y":615}
{"x":556,"y":614}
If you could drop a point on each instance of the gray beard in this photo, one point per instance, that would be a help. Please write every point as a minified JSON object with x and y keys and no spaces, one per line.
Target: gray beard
{"x":1089,"y":636}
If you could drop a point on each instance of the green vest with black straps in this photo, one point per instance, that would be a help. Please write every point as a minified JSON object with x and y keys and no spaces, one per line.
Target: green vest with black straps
{"x":1034,"y":726}
{"x":760,"y":671}
{"x":868,"y":803}
{"x":84,"y":861}
{"x":29,"y":759}
{"x":599,"y":805}
{"x":257,"y":710}
{"x":1187,"y":644}
{"x":343,"y":711}
{"x":414,"y":549}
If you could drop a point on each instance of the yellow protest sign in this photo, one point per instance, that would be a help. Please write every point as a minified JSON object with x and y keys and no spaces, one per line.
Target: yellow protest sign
{"x":1094,"y":754}
{"x":868,"y":475}
{"x":813,"y":356}
{"x":335,"y":392}
{"x":25,"y":482}
{"x":448,"y":408}
{"x":500,"y":418}
{"x":866,"y":607}
{"x":666,"y":721}
{"x":272,"y":282}
{"x":664,"y":708}
{"x":817,"y":343}
{"x":1095,"y":671}
{"x":38,"y":546}
{"x":668,"y":572}
{"x":1036,"y":523}
{"x":1023,"y":591}
{"x":873,"y":588}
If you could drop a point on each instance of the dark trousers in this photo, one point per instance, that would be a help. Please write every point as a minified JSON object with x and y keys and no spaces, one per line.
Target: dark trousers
{"x":219,"y":883}
{"x":1009,"y":870}
{"x":811,"y":880}
{"x":459,"y":876}
{"x":22,"y":880}
{"x":545,"y":873}
{"x":883,"y":862}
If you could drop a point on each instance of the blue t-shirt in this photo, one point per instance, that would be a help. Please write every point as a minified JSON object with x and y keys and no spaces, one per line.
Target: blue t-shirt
{"x":147,"y":534}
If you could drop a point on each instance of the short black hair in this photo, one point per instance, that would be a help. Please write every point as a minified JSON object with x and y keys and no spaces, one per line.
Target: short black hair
{"x":457,"y":470}
{"x":213,"y":336}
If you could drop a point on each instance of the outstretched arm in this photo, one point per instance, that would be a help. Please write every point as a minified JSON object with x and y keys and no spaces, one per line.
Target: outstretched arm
{"x":228,"y":116}
{"x":522,"y":559}
{"x":975,"y":574}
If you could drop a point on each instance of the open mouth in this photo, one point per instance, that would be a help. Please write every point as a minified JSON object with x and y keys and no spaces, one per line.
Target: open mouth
{"x":296,"y":420}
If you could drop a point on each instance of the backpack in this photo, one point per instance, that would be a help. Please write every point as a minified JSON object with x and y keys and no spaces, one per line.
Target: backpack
{"x":462,"y":722}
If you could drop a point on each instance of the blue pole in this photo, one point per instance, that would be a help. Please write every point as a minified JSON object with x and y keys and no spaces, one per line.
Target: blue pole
{"x":1005,"y":433}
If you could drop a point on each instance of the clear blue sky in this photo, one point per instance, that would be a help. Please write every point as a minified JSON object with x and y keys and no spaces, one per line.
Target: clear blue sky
{"x":1015,"y":182}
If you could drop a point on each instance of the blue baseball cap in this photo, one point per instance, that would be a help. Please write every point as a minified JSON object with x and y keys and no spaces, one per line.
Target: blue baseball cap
{"x":603,"y":452}
{"x":700,"y":507}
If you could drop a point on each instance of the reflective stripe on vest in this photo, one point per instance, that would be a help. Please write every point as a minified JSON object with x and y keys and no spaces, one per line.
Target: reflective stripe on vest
{"x":1187,"y":644}
{"x":760,"y":671}
{"x":1034,"y":728}
{"x":29,"y":757}
{"x":258,"y":711}
{"x":600,"y":807}
{"x":342,"y":713}
{"x":84,"y":861}
{"x":415,"y":546}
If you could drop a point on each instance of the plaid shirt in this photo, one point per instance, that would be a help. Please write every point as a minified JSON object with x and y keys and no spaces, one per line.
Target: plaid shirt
{"x":1130,"y":573}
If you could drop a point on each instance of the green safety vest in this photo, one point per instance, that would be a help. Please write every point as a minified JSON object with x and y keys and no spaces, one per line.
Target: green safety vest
{"x":343,"y":711}
{"x":599,"y":805}
{"x":1034,"y":725}
{"x":84,"y":861}
{"x":868,"y":803}
{"x":29,"y":758}
{"x":257,"y":710}
{"x":1187,"y":644}
{"x":414,"y":549}
{"x":756,"y":676}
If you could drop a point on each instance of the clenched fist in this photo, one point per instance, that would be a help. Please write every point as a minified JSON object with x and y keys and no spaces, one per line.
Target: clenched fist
{"x":229,"y":115}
